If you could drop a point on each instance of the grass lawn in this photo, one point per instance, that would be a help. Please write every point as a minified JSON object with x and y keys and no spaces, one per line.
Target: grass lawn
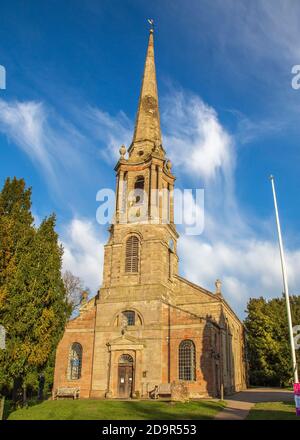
{"x":117,"y":410}
{"x":273,"y":411}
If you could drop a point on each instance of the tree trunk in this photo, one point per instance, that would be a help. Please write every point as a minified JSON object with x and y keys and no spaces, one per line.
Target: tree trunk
{"x":17,"y":391}
{"x":24,"y":395}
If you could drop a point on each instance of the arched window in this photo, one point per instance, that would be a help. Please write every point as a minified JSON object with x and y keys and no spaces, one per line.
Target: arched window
{"x":75,"y":361}
{"x":187,"y":364}
{"x":128,"y":318}
{"x":129,"y":315}
{"x":132,"y":254}
{"x":139,"y":185}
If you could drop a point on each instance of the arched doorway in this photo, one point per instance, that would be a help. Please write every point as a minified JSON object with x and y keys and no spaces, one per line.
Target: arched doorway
{"x":125,"y":376}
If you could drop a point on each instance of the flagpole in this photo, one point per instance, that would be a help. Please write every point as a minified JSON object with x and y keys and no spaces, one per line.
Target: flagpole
{"x":285,"y":284}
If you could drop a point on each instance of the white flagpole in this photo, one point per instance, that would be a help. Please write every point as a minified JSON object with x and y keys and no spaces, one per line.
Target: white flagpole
{"x":285,"y":284}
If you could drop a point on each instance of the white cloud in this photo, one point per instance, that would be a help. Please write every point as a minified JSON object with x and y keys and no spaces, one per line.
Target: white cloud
{"x":83,"y":252}
{"x":199,"y":144}
{"x":267,"y":30}
{"x":24,"y":124}
{"x":247,"y":267}
{"x":110,"y":131}
{"x":230,"y":247}
{"x":55,"y":146}
{"x":278,"y":26}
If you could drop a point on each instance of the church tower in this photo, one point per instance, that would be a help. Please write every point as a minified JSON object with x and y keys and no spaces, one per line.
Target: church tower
{"x":148,"y":330}
{"x":142,"y":244}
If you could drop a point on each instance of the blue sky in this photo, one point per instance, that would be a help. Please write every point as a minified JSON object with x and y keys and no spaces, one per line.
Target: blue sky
{"x":229,"y":118}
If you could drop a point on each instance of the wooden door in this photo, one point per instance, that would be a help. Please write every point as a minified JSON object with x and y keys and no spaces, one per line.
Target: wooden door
{"x":125,"y":380}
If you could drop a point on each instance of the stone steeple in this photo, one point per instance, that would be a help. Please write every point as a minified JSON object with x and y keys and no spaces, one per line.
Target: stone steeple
{"x":147,"y":132}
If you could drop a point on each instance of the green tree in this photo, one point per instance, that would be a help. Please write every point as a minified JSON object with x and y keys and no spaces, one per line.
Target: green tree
{"x":33,"y":302}
{"x":268,"y":343}
{"x":16,"y":231}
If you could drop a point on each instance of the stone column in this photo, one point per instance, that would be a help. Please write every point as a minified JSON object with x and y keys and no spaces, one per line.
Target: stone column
{"x":117,"y":200}
{"x":138,"y":372}
{"x":159,"y":198}
{"x":108,"y":393}
{"x":171,"y":200}
{"x":153,"y":194}
{"x":120,"y":196}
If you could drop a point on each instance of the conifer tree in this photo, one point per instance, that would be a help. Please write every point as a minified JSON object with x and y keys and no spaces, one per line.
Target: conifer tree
{"x":16,"y":233}
{"x":33,"y":303}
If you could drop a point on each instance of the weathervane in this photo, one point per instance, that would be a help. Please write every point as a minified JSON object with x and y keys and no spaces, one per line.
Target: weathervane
{"x":151,"y":22}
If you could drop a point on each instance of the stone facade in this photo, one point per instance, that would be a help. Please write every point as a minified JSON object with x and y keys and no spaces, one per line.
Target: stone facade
{"x":133,"y":333}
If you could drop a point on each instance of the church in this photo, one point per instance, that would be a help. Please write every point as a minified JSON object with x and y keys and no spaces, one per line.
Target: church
{"x":148,"y":328}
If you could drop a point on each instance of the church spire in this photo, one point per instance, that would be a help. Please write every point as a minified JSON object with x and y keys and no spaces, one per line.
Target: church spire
{"x":147,"y":133}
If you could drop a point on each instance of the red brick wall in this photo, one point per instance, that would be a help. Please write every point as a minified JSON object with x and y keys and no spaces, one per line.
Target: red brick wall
{"x":80,"y":329}
{"x":183,"y":325}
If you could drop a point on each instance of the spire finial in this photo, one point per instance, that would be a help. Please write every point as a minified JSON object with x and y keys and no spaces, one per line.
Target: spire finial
{"x":151,"y":22}
{"x":147,"y":126}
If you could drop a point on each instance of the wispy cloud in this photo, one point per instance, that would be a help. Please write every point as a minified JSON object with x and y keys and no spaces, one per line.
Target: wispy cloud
{"x":205,"y":153}
{"x":200,"y":146}
{"x":266,"y":30}
{"x":232,"y":246}
{"x":51,"y":142}
{"x":57,"y":149}
{"x":83,"y":251}
{"x":248,"y":267}
{"x":24,"y":123}
{"x":58,"y":144}
{"x":111,"y":131}
{"x":254,"y":46}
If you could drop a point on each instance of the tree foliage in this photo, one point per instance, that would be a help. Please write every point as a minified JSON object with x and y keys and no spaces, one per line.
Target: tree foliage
{"x":268,"y":344}
{"x":33,"y":302}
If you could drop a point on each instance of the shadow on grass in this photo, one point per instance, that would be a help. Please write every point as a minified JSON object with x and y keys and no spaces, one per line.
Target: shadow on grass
{"x":273,"y":411}
{"x":10,"y":407}
{"x":173,"y":411}
{"x":117,"y":410}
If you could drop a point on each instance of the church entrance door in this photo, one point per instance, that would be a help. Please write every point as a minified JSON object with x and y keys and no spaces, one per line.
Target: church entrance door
{"x":125,"y":376}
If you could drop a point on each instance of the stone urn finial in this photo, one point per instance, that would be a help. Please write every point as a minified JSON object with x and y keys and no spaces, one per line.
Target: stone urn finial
{"x":84,"y":297}
{"x":122,"y":151}
{"x":169,"y":165}
{"x":83,"y":300}
{"x":218,"y":285}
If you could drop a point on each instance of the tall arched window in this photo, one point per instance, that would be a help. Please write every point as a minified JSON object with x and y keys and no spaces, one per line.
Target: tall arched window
{"x":132,"y":254}
{"x":187,"y":363}
{"x":139,"y":185}
{"x":75,"y":361}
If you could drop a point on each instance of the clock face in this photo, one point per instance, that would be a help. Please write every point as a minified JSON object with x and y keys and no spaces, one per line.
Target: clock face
{"x":150,"y":104}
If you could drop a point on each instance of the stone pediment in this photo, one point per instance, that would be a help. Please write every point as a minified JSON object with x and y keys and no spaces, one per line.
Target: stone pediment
{"x":126,"y":341}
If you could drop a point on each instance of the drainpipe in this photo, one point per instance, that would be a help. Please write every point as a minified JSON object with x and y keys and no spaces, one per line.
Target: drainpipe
{"x":108,"y":392}
{"x":169,"y":344}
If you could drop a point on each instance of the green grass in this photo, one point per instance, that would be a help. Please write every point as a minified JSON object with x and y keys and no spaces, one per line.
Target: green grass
{"x":273,"y":411}
{"x":118,"y":410}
